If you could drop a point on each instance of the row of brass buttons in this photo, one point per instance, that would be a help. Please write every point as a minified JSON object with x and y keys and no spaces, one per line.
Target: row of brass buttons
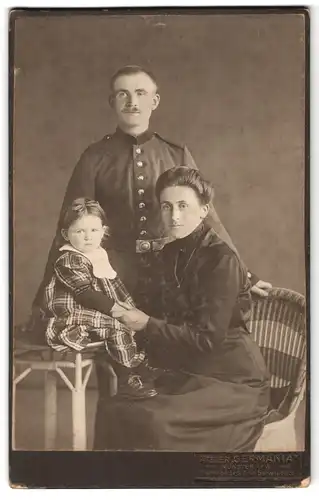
{"x":141,"y":205}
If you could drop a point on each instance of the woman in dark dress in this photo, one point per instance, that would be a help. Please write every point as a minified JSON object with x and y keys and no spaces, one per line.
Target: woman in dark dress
{"x":213,"y":387}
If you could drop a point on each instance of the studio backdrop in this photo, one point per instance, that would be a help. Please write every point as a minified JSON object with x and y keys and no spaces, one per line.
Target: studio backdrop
{"x":232,"y":89}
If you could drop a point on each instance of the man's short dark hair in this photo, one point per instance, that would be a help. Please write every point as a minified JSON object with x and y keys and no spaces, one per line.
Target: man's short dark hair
{"x":188,"y":177}
{"x":132,"y":70}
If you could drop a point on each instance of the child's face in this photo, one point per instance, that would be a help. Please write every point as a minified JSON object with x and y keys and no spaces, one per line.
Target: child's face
{"x":86,"y":233}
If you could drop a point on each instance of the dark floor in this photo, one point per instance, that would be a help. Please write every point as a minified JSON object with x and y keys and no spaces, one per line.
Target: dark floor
{"x":30,"y":417}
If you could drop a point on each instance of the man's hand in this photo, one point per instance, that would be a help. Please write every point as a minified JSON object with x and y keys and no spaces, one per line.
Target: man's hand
{"x":132,"y":318}
{"x":261,"y":288}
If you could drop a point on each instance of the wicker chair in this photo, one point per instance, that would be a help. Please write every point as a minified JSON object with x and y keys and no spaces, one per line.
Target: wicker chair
{"x":278,"y":325}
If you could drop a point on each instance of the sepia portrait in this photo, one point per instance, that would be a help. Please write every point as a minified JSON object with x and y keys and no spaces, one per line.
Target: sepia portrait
{"x":159,"y":221}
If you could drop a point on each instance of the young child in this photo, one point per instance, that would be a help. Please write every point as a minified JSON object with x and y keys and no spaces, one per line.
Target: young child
{"x":82,"y":294}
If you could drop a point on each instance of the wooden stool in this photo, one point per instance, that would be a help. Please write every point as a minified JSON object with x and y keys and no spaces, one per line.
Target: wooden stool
{"x":27,"y":356}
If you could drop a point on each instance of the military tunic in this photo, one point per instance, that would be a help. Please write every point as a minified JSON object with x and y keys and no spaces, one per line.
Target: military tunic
{"x":120,"y":172}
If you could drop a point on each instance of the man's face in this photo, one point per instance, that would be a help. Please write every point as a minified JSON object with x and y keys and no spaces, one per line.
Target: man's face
{"x":133,"y":100}
{"x":181,"y":210}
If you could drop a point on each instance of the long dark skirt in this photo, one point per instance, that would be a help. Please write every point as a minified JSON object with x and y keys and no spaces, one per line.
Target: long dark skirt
{"x":191,"y":413}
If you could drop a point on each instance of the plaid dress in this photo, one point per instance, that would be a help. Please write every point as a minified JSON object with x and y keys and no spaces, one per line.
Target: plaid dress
{"x":72,"y":326}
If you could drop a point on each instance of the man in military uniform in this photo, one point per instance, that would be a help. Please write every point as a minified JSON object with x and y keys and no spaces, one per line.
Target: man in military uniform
{"x":120,"y":172}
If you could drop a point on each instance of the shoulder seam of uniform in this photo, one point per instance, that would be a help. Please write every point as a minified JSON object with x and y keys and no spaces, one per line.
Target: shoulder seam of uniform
{"x":176,"y":144}
{"x":97,"y":146}
{"x":100,"y":141}
{"x":106,"y":137}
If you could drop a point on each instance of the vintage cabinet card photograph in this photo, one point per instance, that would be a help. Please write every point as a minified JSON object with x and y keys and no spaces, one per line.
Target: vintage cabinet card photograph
{"x":159,"y":167}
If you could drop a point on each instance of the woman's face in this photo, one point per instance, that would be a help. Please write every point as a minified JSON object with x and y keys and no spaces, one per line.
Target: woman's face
{"x":181,"y":210}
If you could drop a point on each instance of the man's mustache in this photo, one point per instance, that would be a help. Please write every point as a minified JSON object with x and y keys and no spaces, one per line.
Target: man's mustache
{"x":131,"y":110}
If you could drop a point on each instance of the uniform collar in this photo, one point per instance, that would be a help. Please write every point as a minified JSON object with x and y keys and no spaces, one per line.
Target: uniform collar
{"x":130,"y":139}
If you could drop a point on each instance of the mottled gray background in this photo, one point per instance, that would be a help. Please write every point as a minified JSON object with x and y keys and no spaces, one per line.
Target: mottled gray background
{"x":232,"y":89}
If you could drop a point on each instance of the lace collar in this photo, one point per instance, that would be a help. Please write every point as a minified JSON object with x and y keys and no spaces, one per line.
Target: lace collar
{"x":99,"y":260}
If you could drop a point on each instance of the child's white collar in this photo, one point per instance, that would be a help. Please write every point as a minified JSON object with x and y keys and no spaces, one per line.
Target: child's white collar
{"x":99,"y":260}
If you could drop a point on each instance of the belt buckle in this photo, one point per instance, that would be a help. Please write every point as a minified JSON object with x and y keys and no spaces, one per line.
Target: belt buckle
{"x":143,"y":246}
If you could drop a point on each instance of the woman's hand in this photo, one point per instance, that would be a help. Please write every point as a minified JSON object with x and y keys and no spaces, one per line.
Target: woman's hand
{"x":132,"y":318}
{"x":120,"y":307}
